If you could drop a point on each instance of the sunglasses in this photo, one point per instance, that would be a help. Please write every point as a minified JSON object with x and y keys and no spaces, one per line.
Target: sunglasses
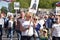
{"x":35,"y":19}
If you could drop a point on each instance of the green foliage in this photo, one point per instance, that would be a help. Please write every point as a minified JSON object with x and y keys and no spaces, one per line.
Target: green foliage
{"x":54,"y":3}
{"x":4,"y":9}
{"x":48,"y":3}
{"x":11,"y":7}
{"x":42,"y":4}
{"x":24,"y":3}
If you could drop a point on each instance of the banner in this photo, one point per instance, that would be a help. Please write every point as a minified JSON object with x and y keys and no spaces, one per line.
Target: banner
{"x":57,"y":10}
{"x":34,"y":5}
{"x":16,"y":5}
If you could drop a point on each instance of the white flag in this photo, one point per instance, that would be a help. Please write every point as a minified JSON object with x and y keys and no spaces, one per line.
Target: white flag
{"x":34,"y":5}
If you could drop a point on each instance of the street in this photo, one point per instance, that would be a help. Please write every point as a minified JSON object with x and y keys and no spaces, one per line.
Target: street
{"x":4,"y":37}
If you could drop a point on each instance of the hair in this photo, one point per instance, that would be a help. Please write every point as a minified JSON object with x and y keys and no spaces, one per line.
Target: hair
{"x":10,"y":17}
{"x":29,"y":14}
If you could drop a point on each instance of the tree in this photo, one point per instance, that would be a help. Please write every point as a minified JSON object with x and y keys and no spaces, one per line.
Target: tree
{"x":24,"y":3}
{"x":42,"y":3}
{"x":48,"y":3}
{"x":54,"y":3}
{"x":11,"y":7}
{"x":4,"y":9}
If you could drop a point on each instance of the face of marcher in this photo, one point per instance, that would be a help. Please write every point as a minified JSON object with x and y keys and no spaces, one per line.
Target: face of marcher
{"x":28,"y":17}
{"x":11,"y":18}
{"x":22,"y":14}
{"x":35,"y":19}
{"x":49,"y":16}
{"x":53,"y":16}
{"x":46,"y":17}
{"x":58,"y":18}
{"x":2,"y":15}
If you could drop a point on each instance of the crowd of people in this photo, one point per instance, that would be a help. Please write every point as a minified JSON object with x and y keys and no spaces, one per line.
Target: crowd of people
{"x":29,"y":26}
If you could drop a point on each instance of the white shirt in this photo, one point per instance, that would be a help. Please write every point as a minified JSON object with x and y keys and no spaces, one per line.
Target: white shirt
{"x":28,"y":32}
{"x":41,"y":22}
{"x":56,"y":31}
{"x":10,"y":23}
{"x":2,"y":22}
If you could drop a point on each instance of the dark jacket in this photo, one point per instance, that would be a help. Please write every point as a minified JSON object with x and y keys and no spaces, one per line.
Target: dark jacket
{"x":49,"y":23}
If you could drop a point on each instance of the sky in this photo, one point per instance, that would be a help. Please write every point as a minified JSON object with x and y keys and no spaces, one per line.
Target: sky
{"x":3,"y":4}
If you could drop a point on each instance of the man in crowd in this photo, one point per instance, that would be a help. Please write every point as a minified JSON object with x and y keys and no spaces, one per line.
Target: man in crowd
{"x":49,"y":22}
{"x":56,"y":28}
{"x":4,"y":16}
{"x":1,"y":26}
{"x":20,"y":19}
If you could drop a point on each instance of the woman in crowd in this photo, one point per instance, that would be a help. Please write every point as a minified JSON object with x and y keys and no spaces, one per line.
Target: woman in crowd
{"x":10,"y":27}
{"x":27,"y":28}
{"x":56,"y":29}
{"x":36,"y":28}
